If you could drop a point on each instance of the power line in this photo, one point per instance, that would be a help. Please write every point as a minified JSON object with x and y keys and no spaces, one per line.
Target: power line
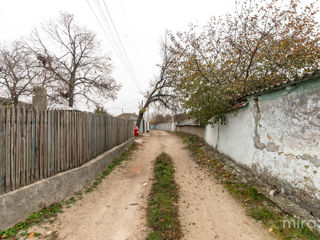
{"x":124,"y":104}
{"x":114,"y":44}
{"x":110,"y":31}
{"x":105,"y":32}
{"x":120,"y":41}
{"x":98,"y":21}
{"x":125,"y":22}
{"x":123,"y":19}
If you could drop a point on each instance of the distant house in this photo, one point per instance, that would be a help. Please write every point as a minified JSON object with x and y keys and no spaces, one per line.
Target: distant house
{"x":144,"y":125}
{"x":5,"y":101}
{"x":8,"y":101}
{"x":56,"y":106}
{"x":168,"y":125}
{"x":128,"y":116}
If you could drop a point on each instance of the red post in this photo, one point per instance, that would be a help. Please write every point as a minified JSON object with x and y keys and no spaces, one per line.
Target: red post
{"x":136,"y":131}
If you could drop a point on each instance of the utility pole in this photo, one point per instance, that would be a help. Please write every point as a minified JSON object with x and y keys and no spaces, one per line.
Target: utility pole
{"x":142,"y":117}
{"x":172,"y":125}
{"x":148,"y":125}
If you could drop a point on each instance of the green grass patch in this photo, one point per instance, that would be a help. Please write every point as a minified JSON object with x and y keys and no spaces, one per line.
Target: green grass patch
{"x":257,"y":205}
{"x":20,"y":230}
{"x":162,"y":211}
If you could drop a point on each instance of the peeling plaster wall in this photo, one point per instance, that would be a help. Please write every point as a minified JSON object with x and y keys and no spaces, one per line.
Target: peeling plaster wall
{"x":169,"y":126}
{"x":211,"y":135}
{"x":236,"y":136}
{"x":198,"y":131}
{"x":277,"y":137}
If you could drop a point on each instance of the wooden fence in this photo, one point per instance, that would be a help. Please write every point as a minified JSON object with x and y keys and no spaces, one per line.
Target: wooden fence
{"x":38,"y":144}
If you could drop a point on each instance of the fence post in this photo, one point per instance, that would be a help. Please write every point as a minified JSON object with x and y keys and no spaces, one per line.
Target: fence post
{"x":38,"y":144}
{"x":2,"y":151}
{"x":23,"y":147}
{"x":28,"y":145}
{"x":39,"y":99}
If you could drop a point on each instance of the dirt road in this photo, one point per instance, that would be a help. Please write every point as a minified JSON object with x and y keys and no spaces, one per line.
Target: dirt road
{"x":116,"y":209}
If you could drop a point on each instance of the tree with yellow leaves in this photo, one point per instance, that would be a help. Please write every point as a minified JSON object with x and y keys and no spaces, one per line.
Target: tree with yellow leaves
{"x":260,"y":44}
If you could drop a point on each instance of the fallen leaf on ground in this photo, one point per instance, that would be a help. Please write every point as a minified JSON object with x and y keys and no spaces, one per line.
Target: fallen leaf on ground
{"x":4,"y":236}
{"x":31,"y":235}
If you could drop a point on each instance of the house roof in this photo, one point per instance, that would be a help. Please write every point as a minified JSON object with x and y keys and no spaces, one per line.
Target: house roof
{"x":57,"y":106}
{"x":188,"y":122}
{"x":307,"y":76}
{"x":131,"y":116}
{"x":4,"y":100}
{"x":8,"y":101}
{"x":243,"y":100}
{"x":180,"y":117}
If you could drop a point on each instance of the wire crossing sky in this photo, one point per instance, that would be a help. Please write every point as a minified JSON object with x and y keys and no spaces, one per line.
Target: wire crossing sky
{"x":130,"y":32}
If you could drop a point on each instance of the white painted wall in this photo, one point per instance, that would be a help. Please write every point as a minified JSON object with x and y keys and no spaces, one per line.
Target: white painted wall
{"x":194,"y":130}
{"x":236,"y":137}
{"x":211,"y":135}
{"x":144,"y":126}
{"x":166,"y":126}
{"x":277,"y":136}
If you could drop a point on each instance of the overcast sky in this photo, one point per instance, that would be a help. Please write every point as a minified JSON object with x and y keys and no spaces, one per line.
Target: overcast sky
{"x":140,"y":25}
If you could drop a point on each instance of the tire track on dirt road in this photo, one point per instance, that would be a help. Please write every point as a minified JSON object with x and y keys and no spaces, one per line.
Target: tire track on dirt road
{"x":116,"y":209}
{"x":205,"y":209}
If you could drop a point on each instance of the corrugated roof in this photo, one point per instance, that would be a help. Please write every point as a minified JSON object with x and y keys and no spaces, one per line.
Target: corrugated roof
{"x":285,"y":83}
{"x":8,"y":101}
{"x":131,"y":116}
{"x":61,"y":107}
{"x":243,"y":99}
{"x":188,"y":122}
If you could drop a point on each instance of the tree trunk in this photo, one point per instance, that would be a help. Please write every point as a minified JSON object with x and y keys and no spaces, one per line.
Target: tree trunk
{"x":142,"y":111}
{"x":71,"y":97}
{"x":15,"y":99}
{"x":71,"y":101}
{"x":71,"y":89}
{"x":140,"y":118}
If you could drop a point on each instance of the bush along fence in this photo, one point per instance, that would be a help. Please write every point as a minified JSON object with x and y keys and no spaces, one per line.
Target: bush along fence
{"x":38,"y":144}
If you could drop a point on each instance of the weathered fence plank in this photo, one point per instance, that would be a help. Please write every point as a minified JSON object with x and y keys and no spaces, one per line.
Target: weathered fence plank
{"x":28,"y":146}
{"x":2,"y":151}
{"x":17,"y":147}
{"x":33,"y":145}
{"x":8,"y":152}
{"x":23,"y":148}
{"x":45,"y":145}
{"x":41,"y":144}
{"x":48,"y":155}
{"x":38,"y":144}
{"x":58,"y":159}
{"x":52,"y":143}
{"x":12,"y":147}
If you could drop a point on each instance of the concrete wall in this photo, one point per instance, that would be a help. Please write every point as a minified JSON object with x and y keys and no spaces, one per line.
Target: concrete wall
{"x":169,"y":126}
{"x":17,"y":205}
{"x":144,"y":126}
{"x":198,"y":131}
{"x":277,"y":137}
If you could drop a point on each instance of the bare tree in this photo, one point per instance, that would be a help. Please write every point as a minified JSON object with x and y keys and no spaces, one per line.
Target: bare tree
{"x":18,"y":72}
{"x":72,"y":55}
{"x":158,"y":118}
{"x":160,"y":90}
{"x":261,"y":44}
